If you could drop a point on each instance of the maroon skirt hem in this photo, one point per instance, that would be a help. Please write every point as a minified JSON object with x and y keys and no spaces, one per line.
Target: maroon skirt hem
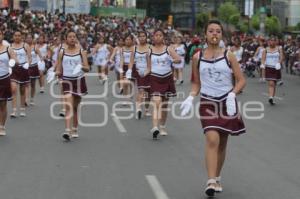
{"x":162,"y":86}
{"x":213,"y":116}
{"x":272,"y":74}
{"x":5,"y":88}
{"x":75,"y":86}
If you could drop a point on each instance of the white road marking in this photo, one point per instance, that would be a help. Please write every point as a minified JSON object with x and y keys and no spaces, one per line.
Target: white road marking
{"x":156,"y":187}
{"x":266,"y":94}
{"x":119,"y":125}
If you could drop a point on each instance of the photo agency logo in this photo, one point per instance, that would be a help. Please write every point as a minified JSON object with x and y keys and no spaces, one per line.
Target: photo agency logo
{"x":109,"y":104}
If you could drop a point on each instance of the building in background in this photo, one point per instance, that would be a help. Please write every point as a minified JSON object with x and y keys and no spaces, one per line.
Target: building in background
{"x":184,"y":11}
{"x":288,"y":11}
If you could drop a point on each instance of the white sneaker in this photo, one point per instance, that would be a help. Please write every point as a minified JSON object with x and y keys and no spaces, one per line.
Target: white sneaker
{"x":148,"y":113}
{"x":155,"y":132}
{"x":219,"y":187}
{"x":163,"y":130}
{"x":211,"y":188}
{"x":2,"y":131}
{"x":74,"y":133}
{"x":62,"y":113}
{"x":31,"y":103}
{"x":42,"y":90}
{"x":22,"y":112}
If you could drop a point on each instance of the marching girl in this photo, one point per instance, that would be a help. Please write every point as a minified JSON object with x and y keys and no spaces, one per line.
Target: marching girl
{"x":33,"y":70}
{"x":258,"y":57}
{"x":214,"y":70}
{"x":115,"y":60}
{"x":20,"y":74}
{"x":6,"y":53}
{"x":128,"y":75}
{"x":272,"y":58}
{"x":43,"y":48}
{"x":140,"y":59}
{"x":162,"y":85}
{"x":102,"y":52}
{"x":180,"y":50}
{"x":71,"y":62}
{"x":237,"y":49}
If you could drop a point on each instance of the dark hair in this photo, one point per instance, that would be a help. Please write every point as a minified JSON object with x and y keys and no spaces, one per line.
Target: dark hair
{"x":159,"y":30}
{"x":213,"y":21}
{"x":128,"y":35}
{"x":142,"y":32}
{"x":70,"y":31}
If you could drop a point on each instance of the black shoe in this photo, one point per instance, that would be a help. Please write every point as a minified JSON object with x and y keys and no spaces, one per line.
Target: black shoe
{"x":181,"y":82}
{"x":155,"y":133}
{"x":271,"y":101}
{"x":139,"y":114}
{"x":66,"y":136}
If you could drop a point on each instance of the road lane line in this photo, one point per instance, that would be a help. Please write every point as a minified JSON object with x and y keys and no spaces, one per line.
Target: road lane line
{"x":156,"y":187}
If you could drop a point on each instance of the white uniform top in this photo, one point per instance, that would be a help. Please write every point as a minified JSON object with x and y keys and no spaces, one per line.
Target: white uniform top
{"x":180,"y":50}
{"x":238,"y":53}
{"x":260,"y":53}
{"x":117,"y":59}
{"x":161,"y":64}
{"x":21,"y":54}
{"x":69,"y":62}
{"x":102,"y":55}
{"x":55,"y":54}
{"x":43,"y":50}
{"x":34,"y":57}
{"x":216,"y":76}
{"x":4,"y":59}
{"x":272,"y":58}
{"x":140,"y":59}
{"x":126,"y":55}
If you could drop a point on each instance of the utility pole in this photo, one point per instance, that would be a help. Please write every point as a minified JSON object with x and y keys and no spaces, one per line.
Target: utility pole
{"x":11,"y":5}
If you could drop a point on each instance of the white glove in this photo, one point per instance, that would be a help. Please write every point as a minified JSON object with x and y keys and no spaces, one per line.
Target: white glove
{"x":77,"y":70}
{"x":186,"y":106}
{"x":128,"y":74}
{"x":25,"y":66}
{"x":278,"y":66}
{"x":262,"y":66}
{"x":9,"y":71}
{"x":12,"y":63}
{"x":41,"y":65}
{"x":50,"y":75}
{"x":230,"y":104}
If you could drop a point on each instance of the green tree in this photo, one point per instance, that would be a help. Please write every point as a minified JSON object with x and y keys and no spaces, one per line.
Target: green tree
{"x":298,"y":26}
{"x":255,"y":22}
{"x":273,"y":25}
{"x":202,"y":20}
{"x":227,"y":11}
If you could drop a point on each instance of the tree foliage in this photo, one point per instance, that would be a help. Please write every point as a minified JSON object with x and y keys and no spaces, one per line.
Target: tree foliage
{"x":202,"y":20}
{"x":228,"y":12}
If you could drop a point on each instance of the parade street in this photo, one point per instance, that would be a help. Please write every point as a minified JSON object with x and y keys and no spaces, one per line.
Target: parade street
{"x":121,"y":161}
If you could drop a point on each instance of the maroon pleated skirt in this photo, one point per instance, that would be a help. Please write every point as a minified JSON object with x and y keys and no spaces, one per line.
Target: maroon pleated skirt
{"x":75,"y":86}
{"x":34,"y":72}
{"x":5,"y":88}
{"x":162,"y":85}
{"x":272,"y":74}
{"x":20,"y":75}
{"x":213,"y":116}
{"x":143,"y":82}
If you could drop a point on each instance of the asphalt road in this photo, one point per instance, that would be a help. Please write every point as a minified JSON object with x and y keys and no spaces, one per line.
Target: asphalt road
{"x":119,"y":160}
